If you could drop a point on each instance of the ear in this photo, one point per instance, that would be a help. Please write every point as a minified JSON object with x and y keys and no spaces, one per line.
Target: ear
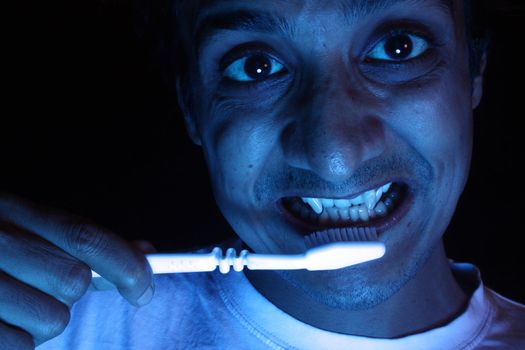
{"x":183,"y":99}
{"x":477,"y":82}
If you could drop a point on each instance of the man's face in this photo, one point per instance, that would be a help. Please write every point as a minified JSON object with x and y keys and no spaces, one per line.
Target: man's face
{"x":307,"y":109}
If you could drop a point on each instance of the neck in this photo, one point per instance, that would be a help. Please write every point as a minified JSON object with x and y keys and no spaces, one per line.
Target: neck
{"x":430,"y":299}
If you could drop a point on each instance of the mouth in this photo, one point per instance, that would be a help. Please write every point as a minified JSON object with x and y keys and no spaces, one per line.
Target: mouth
{"x":377,"y":208}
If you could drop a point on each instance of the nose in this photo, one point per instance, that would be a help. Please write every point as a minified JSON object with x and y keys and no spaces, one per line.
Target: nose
{"x":333,"y":135}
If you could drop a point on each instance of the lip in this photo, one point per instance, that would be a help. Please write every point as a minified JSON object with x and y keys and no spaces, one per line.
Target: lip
{"x":333,"y":195}
{"x":380,"y":224}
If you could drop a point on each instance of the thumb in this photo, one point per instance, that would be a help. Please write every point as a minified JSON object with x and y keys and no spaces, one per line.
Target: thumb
{"x":144,"y":246}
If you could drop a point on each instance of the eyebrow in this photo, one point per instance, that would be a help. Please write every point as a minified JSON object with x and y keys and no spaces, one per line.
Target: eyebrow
{"x":353,"y":9}
{"x":240,"y":20}
{"x":266,"y":22}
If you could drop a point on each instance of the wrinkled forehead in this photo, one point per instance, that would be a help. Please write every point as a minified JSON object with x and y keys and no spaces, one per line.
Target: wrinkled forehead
{"x":195,"y":11}
{"x":198,"y":17}
{"x":366,"y":6}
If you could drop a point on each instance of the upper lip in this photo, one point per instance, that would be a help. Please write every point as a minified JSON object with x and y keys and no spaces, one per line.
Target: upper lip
{"x":334,"y":195}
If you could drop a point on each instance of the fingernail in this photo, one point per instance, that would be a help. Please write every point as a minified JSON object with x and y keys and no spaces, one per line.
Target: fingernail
{"x":146,"y":297}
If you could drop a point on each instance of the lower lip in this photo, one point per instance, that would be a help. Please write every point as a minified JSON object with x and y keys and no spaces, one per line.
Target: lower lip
{"x":380,"y":224}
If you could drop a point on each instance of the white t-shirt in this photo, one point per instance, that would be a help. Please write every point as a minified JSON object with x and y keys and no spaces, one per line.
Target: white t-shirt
{"x":215,"y":311}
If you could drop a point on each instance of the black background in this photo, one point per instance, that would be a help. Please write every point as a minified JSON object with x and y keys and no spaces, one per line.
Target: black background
{"x":87,"y":127}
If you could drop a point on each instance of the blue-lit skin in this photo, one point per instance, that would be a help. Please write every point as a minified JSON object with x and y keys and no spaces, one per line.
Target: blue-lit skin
{"x":340,"y":119}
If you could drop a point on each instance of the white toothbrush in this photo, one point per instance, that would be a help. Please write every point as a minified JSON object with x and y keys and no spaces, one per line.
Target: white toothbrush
{"x":325,"y":257}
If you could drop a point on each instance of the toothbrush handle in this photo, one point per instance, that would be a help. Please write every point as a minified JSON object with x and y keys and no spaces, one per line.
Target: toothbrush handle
{"x":275,"y":262}
{"x":198,"y":262}
{"x":191,"y":262}
{"x":180,"y":262}
{"x":327,"y":257}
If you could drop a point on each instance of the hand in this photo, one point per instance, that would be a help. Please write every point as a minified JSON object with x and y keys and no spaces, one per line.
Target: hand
{"x":46,"y":259}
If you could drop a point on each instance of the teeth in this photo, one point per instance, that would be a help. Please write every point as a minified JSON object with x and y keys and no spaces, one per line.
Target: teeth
{"x":342,"y":203}
{"x":379,"y":193}
{"x":360,"y":208}
{"x":357,"y":200}
{"x":354,"y":213}
{"x":381,"y":209}
{"x":327,"y":203}
{"x":370,"y":198}
{"x":363,"y":212}
{"x":345,"y":214}
{"x":315,"y":204}
{"x":388,"y":202}
{"x":332,"y":214}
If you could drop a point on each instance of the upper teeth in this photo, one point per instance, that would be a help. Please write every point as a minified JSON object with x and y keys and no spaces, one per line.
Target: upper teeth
{"x":369,"y":198}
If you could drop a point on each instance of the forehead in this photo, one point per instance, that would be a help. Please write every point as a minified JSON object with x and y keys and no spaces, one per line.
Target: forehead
{"x":365,"y":6}
{"x":348,"y":8}
{"x":203,"y":17}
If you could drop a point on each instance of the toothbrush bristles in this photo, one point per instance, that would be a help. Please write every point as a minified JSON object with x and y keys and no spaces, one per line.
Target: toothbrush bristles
{"x":341,"y":234}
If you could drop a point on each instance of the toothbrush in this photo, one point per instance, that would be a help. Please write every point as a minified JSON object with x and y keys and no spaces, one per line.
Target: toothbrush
{"x":328,"y":256}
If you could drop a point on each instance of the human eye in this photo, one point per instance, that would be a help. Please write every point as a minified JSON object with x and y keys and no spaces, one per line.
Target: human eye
{"x":403,"y":53}
{"x":252,"y":67}
{"x":398,"y":47}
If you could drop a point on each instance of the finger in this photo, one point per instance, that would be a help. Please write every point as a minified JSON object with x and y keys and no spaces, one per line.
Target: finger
{"x":42,"y":265}
{"x":15,"y":338}
{"x":31,"y":310}
{"x":110,"y":256}
{"x":144,"y":246}
{"x":101,"y":283}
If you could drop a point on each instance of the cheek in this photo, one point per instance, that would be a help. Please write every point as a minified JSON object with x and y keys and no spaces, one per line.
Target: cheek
{"x":436,"y":120}
{"x":237,"y":146}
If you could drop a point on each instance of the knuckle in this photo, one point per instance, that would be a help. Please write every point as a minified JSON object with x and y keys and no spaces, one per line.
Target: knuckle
{"x":85,"y":239}
{"x":75,"y":281}
{"x":48,"y":316}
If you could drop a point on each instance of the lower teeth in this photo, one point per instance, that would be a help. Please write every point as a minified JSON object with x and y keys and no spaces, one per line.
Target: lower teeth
{"x":353,"y":214}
